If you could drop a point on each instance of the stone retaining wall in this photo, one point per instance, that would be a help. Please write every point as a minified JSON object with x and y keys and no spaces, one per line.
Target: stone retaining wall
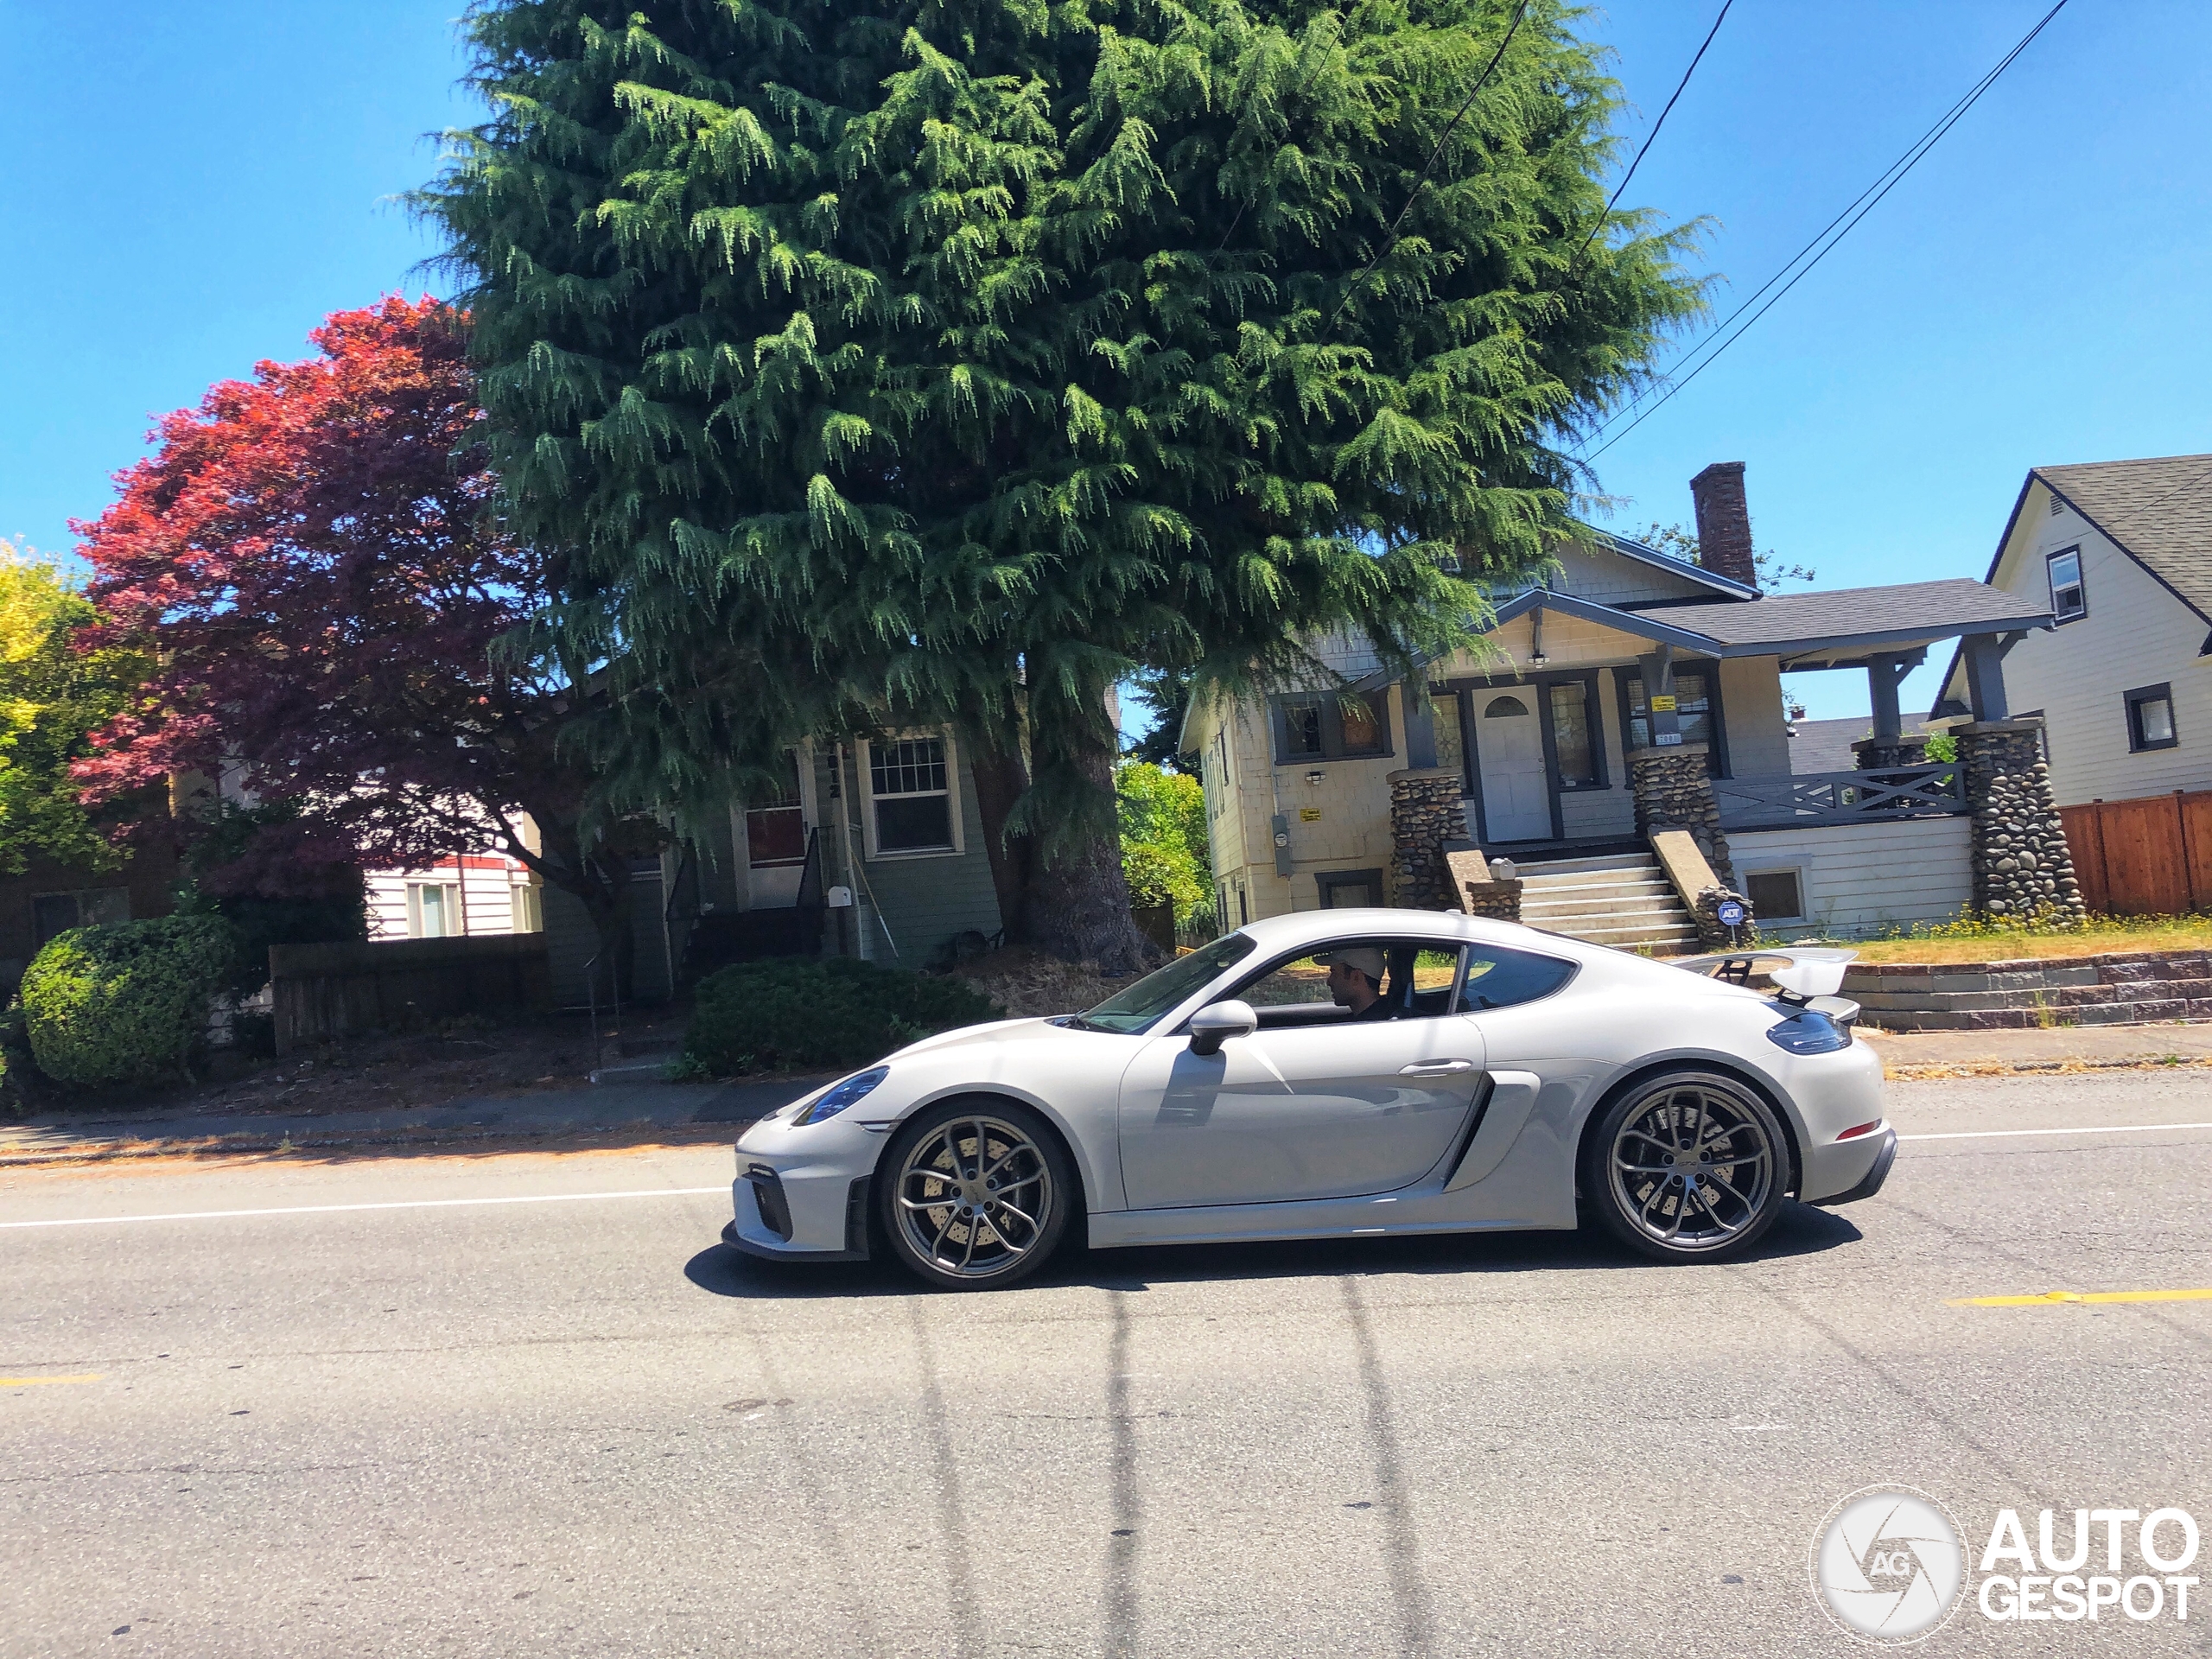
{"x":2111,"y":990}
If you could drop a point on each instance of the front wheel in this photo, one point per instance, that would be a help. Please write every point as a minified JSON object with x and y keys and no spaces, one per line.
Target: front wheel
{"x":1688,"y":1165}
{"x":974,"y":1196}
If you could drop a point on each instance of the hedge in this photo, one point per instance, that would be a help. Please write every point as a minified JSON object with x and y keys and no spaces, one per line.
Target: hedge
{"x":126,"y":1003}
{"x":775,"y":1015}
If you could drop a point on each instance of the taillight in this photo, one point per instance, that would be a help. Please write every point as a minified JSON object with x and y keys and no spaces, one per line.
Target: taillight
{"x":1863,"y":1128}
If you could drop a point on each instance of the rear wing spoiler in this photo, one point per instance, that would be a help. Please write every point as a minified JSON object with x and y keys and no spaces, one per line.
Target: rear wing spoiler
{"x":1806,"y":971}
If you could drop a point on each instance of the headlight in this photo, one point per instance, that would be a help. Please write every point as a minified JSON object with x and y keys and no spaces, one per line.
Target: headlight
{"x":1809,"y":1032}
{"x":839,"y":1096}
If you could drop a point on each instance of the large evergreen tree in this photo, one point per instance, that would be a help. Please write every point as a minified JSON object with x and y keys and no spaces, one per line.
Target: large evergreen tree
{"x":874,"y":360}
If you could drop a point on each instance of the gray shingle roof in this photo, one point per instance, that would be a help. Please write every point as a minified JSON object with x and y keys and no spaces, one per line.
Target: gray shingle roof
{"x":2159,"y":510}
{"x":1938,"y":609}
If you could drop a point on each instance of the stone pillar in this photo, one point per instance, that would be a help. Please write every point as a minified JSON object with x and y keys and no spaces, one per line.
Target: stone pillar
{"x":1426,"y":812}
{"x":2021,"y":865}
{"x":1673,"y":790}
{"x":1479,"y":891}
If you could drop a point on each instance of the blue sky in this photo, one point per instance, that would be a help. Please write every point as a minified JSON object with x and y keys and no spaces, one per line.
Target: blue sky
{"x":192,"y":187}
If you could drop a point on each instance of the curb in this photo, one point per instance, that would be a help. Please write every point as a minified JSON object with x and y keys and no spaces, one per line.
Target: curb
{"x":1913,"y":1071}
{"x":224,"y":1146}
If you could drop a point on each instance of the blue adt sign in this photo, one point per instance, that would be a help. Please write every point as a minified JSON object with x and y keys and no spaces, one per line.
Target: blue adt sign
{"x":1731,"y":913}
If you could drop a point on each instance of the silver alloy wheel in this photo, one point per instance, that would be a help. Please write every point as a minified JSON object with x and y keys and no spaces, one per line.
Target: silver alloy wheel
{"x":1691,"y":1167}
{"x":974,"y":1196}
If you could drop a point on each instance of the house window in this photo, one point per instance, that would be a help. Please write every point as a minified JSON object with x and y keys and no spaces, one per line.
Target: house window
{"x":528,"y":907}
{"x":1350,"y":889}
{"x":1575,"y":738}
{"x":2068,"y":601}
{"x":434,"y":911}
{"x":2151,"y":718}
{"x":775,"y":824}
{"x":1327,"y":727}
{"x":1451,"y":740}
{"x":1776,"y":896}
{"x":910,"y":796}
{"x":54,"y":913}
{"x":1692,"y":712}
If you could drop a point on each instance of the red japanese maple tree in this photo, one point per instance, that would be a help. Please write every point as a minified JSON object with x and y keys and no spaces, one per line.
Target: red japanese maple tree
{"x":316,"y":558}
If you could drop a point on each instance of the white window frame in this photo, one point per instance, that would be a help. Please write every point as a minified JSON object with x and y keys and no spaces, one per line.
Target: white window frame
{"x":526,"y":904}
{"x":455,"y":897}
{"x":2079,"y":584}
{"x":953,"y":814}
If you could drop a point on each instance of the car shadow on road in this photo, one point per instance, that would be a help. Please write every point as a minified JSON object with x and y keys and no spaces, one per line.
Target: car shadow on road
{"x":1802,"y":1231}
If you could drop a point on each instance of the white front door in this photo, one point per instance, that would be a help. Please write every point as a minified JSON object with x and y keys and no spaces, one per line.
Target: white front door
{"x":1510,"y":747}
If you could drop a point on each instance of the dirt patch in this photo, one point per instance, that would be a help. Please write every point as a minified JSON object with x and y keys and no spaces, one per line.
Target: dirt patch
{"x":1028,"y":983}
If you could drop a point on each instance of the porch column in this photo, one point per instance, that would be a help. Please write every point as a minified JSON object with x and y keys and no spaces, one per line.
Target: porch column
{"x":1419,"y":722}
{"x":1889,"y":746}
{"x":1985,"y":657}
{"x":2022,"y":866}
{"x":1425,"y":813}
{"x":1673,"y":790}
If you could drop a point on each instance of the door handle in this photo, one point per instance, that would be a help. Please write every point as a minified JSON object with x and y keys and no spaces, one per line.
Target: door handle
{"x":1435,"y":1068}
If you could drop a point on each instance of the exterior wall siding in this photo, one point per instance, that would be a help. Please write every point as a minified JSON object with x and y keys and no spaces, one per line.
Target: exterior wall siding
{"x":2136,"y":634}
{"x":1613,"y":579}
{"x":1860,"y":879}
{"x":487,"y":883}
{"x":1751,"y":702}
{"x":918,"y":901}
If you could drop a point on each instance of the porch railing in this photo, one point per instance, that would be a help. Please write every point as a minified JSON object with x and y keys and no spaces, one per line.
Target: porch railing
{"x":1822,"y":797}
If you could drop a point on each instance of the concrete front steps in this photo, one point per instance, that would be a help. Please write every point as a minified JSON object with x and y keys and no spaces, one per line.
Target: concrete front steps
{"x":1623,"y":900}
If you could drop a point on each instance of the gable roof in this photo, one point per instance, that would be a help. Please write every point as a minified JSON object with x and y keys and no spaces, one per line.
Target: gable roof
{"x":1673,"y":566}
{"x":2157,"y":512}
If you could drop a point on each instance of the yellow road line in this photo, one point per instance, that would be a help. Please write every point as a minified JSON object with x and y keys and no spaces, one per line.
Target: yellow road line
{"x":33,"y":1382}
{"x":2051,"y":1297}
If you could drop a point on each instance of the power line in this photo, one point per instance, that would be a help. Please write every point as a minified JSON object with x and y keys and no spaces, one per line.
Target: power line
{"x":1887,"y":180}
{"x":1390,"y":237}
{"x":1609,"y":201}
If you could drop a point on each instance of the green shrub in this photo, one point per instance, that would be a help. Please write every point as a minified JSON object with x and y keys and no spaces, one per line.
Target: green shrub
{"x":126,"y":1003}
{"x":769,"y":1016}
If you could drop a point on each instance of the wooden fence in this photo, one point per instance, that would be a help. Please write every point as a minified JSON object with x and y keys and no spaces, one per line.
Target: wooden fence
{"x":2147,"y":857}
{"x":324,"y":991}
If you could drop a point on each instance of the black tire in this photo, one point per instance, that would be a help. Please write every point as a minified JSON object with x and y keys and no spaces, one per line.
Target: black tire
{"x":1686,"y":1166}
{"x":974,"y":1194}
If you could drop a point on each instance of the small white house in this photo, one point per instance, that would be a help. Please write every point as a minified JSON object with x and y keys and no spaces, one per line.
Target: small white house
{"x":2120,"y":553}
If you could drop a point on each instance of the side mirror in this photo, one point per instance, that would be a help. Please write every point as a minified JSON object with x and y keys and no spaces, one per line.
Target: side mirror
{"x":1215,"y":1024}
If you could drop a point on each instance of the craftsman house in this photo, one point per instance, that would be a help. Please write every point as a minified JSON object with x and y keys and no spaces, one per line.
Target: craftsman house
{"x":1621,"y":744}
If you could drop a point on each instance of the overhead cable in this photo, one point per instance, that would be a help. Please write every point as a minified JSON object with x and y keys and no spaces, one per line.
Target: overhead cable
{"x":1604,"y":218}
{"x":1871,"y":198}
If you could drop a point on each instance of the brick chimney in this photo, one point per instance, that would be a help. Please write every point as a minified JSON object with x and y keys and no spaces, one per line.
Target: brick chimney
{"x":1723,"y":523}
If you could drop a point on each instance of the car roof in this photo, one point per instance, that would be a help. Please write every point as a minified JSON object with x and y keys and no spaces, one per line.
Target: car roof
{"x":1275,"y":934}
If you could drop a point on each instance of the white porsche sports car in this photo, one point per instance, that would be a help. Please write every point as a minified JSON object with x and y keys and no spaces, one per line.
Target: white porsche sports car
{"x":1339,"y":1073}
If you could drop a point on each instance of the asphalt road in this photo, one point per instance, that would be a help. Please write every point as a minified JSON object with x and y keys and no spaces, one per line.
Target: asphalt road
{"x":582,"y":1425}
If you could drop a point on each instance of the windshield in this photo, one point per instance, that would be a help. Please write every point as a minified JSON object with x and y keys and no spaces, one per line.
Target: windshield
{"x":1161,"y":990}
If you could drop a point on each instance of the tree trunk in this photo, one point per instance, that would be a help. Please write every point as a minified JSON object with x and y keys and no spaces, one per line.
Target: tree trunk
{"x":1076,"y":906}
{"x":1001,"y":779}
{"x":600,"y":882}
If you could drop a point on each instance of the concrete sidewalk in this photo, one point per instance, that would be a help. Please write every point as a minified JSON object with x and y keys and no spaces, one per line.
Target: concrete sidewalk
{"x":637,"y":1106}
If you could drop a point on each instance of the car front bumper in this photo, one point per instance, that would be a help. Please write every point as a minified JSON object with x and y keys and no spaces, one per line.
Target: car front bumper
{"x":799,"y":1215}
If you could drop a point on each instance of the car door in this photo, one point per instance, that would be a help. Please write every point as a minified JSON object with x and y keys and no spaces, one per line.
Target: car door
{"x":1311,"y":1104}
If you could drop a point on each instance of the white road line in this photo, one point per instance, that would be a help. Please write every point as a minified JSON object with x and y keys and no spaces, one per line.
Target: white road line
{"x":2104,"y":1129}
{"x":404,"y":1203}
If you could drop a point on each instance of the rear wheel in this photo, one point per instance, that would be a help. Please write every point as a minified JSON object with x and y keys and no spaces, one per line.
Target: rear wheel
{"x":1686,"y":1166}
{"x":976,"y":1195}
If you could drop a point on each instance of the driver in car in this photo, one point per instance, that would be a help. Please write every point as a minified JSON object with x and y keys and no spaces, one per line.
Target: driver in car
{"x":1355,"y":980}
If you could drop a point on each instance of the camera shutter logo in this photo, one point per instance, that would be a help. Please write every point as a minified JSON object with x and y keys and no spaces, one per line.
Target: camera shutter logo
{"x":1888,"y":1563}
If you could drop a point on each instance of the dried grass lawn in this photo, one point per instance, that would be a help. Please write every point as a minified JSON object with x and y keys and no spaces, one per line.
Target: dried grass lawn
{"x":2164,"y":933}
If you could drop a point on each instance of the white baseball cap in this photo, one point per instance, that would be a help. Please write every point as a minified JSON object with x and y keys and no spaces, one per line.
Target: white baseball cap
{"x":1365,"y":957}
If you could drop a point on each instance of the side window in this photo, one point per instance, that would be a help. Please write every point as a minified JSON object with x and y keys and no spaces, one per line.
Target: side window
{"x":1414,"y":981}
{"x":2068,"y":598}
{"x":1498,"y":978}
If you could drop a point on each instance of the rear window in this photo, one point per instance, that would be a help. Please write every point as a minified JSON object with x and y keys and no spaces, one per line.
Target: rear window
{"x":1499,"y":978}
